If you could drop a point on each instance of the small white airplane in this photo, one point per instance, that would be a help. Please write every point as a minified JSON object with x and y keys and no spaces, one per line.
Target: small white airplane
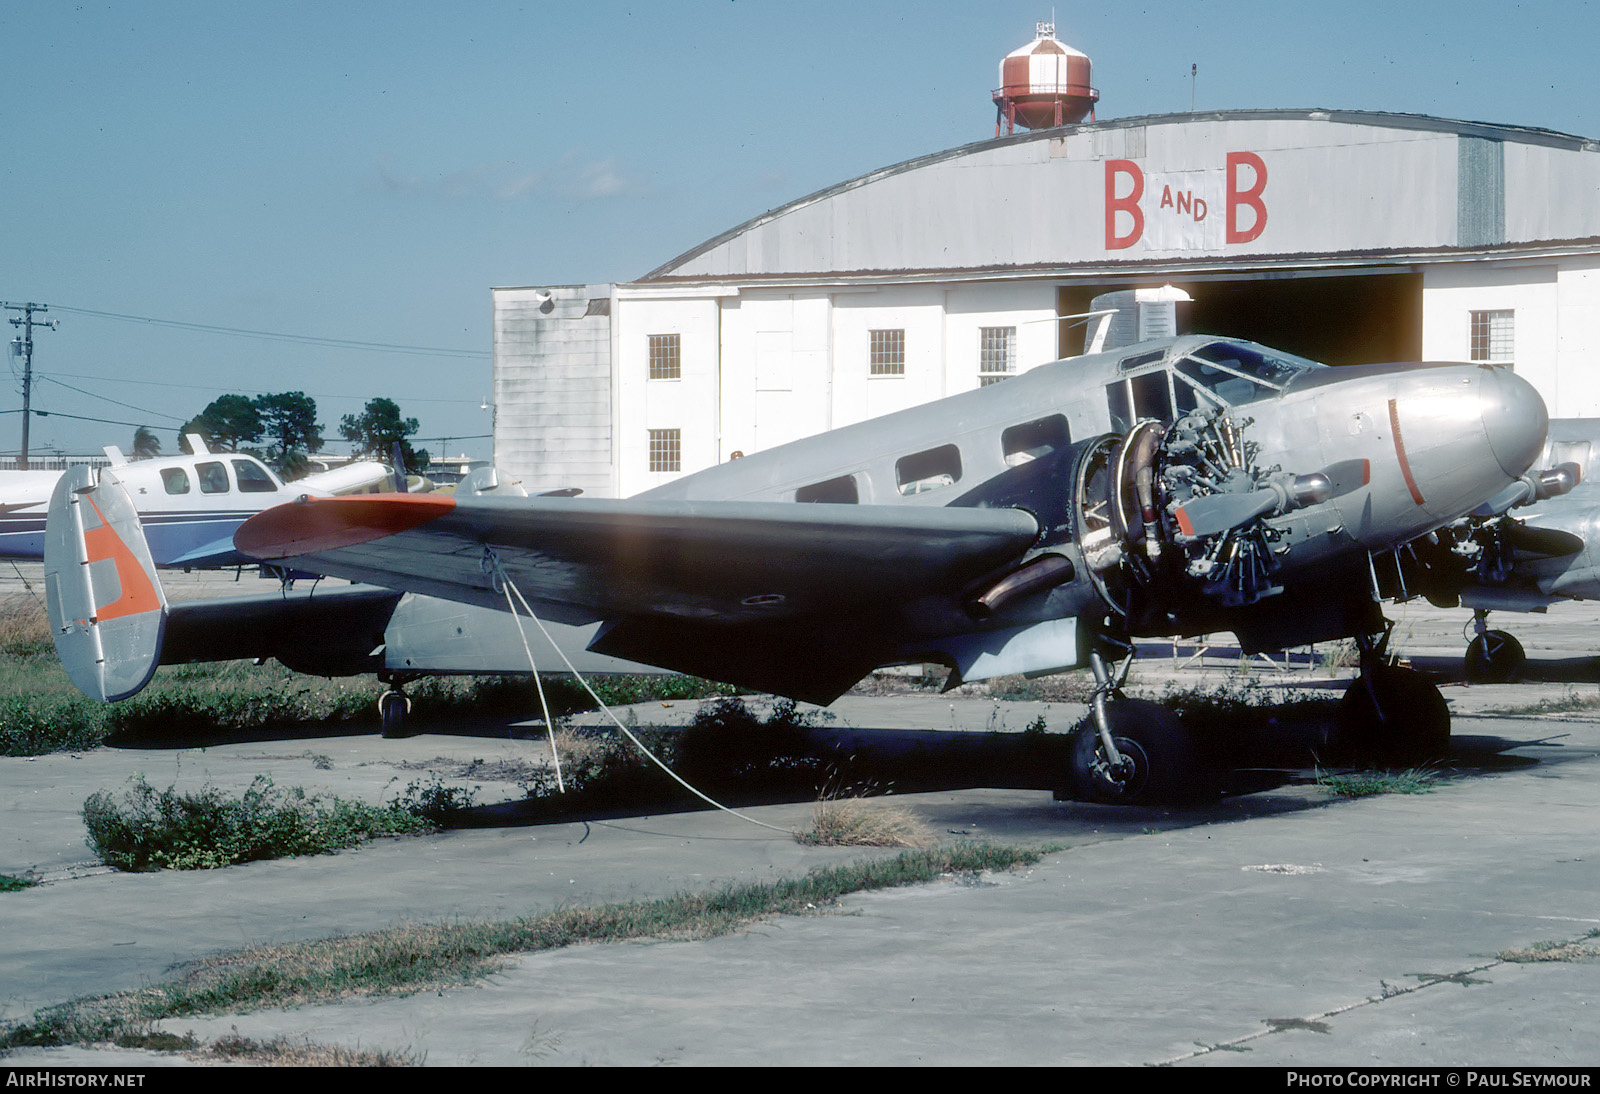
{"x":189,"y":505}
{"x":1181,"y":486}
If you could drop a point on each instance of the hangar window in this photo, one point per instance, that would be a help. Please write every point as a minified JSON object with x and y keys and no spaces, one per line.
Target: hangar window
{"x":1030,"y":440}
{"x":666,"y":450}
{"x":666,"y":363}
{"x":930,"y":470}
{"x":839,"y":491}
{"x":1493,"y":337}
{"x":888,"y":353}
{"x":997,"y":354}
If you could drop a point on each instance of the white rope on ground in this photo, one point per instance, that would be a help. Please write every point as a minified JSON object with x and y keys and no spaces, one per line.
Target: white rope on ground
{"x":549,"y":726}
{"x":511,"y":587}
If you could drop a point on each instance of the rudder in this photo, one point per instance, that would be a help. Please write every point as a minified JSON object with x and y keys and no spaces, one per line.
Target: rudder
{"x":107,"y":609}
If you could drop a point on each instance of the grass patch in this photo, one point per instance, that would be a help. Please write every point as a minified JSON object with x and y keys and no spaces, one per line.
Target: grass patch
{"x":149,"y":829}
{"x":426,"y":957}
{"x":852,"y":822}
{"x":300,"y":1052}
{"x":1366,"y":784}
{"x":1579,"y":949}
{"x":10,"y":883}
{"x":1569,"y":702}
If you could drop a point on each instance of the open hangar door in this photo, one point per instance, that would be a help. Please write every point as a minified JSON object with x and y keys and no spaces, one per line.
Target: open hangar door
{"x":1353,"y":319}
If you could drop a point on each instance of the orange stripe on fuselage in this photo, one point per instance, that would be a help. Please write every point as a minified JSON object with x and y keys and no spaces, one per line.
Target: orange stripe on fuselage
{"x":311,"y":525}
{"x":138,"y":591}
{"x":1400,"y":453}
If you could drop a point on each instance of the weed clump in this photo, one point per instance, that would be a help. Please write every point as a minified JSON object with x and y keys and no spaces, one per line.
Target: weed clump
{"x":1366,"y":784}
{"x":852,"y":822}
{"x":149,"y":829}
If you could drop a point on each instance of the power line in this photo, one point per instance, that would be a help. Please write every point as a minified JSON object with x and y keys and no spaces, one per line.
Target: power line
{"x":280,"y":336}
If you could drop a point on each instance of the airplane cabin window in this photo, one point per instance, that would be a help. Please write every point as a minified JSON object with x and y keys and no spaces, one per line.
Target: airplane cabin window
{"x":1030,"y":440}
{"x":175,"y":479}
{"x":839,"y":491}
{"x":253,"y":478}
{"x":930,"y":470}
{"x":213,"y":478}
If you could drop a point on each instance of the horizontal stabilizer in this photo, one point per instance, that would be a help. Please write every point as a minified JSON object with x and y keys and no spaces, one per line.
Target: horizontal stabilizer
{"x":107,"y":608}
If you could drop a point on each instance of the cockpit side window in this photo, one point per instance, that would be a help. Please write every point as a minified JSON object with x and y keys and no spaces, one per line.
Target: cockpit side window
{"x":1146,"y":395}
{"x":1230,"y":387}
{"x":175,"y":479}
{"x":1273,"y":369}
{"x":253,"y":478}
{"x":213,"y":478}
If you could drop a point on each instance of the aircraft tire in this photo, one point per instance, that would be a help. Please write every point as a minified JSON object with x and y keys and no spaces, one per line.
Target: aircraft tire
{"x":1409,"y":724}
{"x":1494,"y":657}
{"x":1166,"y":767}
{"x":392,"y":712}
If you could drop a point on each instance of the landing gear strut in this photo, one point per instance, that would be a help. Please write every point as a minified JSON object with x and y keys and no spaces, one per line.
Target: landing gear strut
{"x":1391,"y":714}
{"x":1131,"y":752}
{"x":1493,"y":657}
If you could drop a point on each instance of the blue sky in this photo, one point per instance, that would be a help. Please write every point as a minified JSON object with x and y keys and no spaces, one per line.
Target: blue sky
{"x":368,"y":171}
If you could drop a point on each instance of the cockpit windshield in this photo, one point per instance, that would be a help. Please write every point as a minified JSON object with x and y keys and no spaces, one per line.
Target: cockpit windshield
{"x":1238,"y":373}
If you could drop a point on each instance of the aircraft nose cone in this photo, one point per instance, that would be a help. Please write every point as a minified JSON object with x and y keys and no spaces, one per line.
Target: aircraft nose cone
{"x":1514,"y":419}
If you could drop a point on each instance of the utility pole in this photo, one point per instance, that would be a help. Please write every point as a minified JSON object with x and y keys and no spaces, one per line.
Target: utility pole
{"x":27,"y":324}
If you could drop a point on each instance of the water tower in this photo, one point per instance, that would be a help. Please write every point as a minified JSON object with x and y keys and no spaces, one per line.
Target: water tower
{"x":1043,"y":84}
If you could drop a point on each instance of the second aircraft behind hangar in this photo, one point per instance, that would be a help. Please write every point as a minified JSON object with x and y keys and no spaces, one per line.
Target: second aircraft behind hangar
{"x":1183,"y":486}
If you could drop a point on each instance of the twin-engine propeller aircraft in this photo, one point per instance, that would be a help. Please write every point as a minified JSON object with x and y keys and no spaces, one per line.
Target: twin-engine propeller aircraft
{"x":1536,"y":545}
{"x":1176,"y":487}
{"x":189,"y":505}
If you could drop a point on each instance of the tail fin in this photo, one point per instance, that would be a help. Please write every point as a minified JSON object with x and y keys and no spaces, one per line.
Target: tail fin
{"x":108,"y":611}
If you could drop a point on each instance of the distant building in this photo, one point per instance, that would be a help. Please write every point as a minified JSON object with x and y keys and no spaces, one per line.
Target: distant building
{"x":1344,"y":236}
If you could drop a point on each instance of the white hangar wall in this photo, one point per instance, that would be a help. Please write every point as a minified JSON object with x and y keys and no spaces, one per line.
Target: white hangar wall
{"x":1344,"y":236}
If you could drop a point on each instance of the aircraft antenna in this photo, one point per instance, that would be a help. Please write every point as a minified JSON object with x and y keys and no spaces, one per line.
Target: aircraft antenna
{"x":27,"y":324}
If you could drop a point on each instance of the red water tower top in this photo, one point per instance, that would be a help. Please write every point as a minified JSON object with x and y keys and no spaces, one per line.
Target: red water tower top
{"x":1043,"y":84}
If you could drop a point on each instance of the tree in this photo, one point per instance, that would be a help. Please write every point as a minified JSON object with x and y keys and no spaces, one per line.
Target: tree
{"x":228,"y":422}
{"x":378,"y":428}
{"x":145,"y":443}
{"x":289,"y":421}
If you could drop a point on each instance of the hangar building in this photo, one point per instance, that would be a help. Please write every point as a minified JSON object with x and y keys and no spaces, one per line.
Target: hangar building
{"x":1343,"y":236}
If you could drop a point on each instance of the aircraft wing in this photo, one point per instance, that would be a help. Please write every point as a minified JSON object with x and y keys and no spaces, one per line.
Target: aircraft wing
{"x":798,"y":599}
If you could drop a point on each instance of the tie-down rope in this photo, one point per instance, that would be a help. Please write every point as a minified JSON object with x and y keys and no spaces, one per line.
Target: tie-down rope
{"x":499,"y":574}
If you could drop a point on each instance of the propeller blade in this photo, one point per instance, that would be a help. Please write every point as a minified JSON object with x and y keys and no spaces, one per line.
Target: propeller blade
{"x":1214,"y":513}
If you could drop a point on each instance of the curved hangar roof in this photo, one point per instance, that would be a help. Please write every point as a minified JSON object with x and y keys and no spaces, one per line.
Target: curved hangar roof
{"x":1176,"y":188}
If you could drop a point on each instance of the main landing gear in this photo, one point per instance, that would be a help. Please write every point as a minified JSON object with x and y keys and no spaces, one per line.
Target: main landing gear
{"x":1131,"y":751}
{"x":394,"y":705}
{"x":1390,"y":714}
{"x":1492,"y":657}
